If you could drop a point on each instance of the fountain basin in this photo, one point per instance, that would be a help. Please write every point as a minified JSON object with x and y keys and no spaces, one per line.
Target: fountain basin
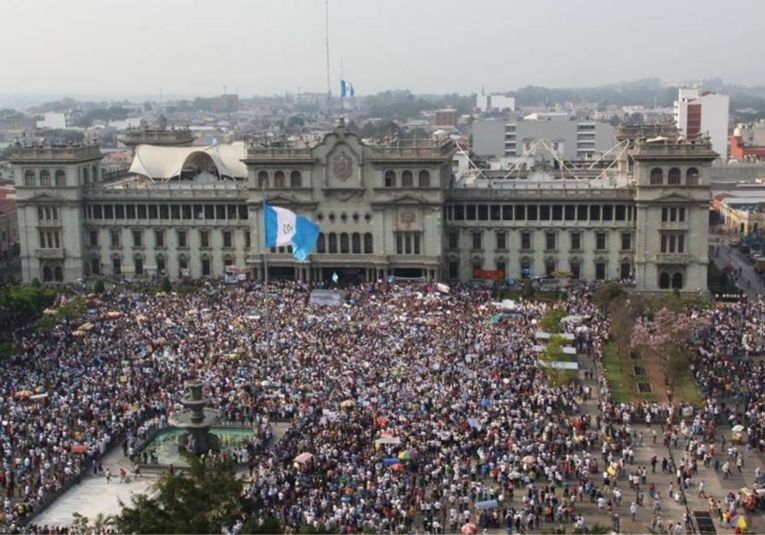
{"x":168,"y":451}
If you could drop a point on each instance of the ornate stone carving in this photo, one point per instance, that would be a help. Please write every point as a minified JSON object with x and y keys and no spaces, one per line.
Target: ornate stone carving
{"x":342,"y":166}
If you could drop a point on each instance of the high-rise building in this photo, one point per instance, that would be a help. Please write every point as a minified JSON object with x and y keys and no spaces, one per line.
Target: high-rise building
{"x":703,"y":112}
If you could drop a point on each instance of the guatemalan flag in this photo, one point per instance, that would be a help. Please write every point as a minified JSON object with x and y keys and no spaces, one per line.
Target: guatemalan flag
{"x":287,"y":228}
{"x":346,"y":89}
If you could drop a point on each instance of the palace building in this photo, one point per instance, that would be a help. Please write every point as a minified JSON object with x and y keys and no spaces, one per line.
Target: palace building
{"x":384,"y":210}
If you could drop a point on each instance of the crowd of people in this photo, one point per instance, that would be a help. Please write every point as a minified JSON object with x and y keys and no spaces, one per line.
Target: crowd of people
{"x":417,"y":409}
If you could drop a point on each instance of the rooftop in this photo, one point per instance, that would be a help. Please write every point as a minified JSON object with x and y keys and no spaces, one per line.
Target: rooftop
{"x":23,"y":153}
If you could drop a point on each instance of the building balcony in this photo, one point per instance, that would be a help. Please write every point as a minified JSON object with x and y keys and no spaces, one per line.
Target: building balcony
{"x":673,"y":225}
{"x":49,"y":223}
{"x":673,"y":258}
{"x":50,"y":254}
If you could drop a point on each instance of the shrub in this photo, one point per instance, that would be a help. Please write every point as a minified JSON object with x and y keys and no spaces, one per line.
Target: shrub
{"x":99,"y":286}
{"x":166,"y":286}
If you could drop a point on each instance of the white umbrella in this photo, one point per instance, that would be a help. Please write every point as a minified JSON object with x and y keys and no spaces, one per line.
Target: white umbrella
{"x":737,"y":428}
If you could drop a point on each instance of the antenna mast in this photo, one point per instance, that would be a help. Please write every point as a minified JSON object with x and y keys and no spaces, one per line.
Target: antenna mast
{"x":326,"y":28}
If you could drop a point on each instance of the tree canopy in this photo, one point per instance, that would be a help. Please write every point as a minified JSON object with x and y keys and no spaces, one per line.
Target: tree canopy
{"x":209,"y":499}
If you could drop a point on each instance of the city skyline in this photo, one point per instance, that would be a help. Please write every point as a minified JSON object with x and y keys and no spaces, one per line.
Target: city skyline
{"x":183,"y":51}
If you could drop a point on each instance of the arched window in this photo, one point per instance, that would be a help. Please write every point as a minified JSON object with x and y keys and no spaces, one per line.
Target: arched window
{"x":60,"y":177}
{"x":692,"y":176}
{"x":332,"y":243}
{"x":279,"y":179}
{"x":575,"y":267}
{"x":47,"y":274}
{"x":263,"y":179}
{"x":321,"y":244}
{"x":29,"y":178}
{"x":356,"y":243}
{"x":368,"y":243}
{"x":664,"y":280}
{"x":296,"y":179}
{"x":424,"y":179}
{"x":58,"y":274}
{"x":677,"y":281}
{"x":657,"y":176}
{"x":407,"y":179}
{"x":183,"y":266}
{"x":525,"y":267}
{"x":344,"y":243}
{"x":45,"y":178}
{"x":549,"y":267}
{"x":673,"y":177}
{"x":390,"y":178}
{"x":85,"y":176}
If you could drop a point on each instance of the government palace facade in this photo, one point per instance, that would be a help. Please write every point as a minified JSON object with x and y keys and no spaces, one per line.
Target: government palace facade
{"x":396,"y":209}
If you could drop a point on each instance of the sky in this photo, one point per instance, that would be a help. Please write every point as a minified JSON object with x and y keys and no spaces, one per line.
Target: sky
{"x":265,"y":47}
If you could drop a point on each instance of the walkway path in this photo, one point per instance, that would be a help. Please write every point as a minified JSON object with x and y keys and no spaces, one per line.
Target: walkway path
{"x":94,"y":495}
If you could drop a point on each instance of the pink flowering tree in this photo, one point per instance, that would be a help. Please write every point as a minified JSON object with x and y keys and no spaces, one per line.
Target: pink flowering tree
{"x":667,"y":338}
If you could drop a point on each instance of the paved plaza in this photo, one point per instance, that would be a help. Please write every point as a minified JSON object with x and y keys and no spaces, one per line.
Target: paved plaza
{"x":95,"y":496}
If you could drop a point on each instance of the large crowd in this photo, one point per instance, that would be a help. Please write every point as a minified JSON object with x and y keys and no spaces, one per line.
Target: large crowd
{"x":417,"y":409}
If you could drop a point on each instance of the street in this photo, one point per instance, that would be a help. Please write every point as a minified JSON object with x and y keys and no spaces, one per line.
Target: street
{"x":725,"y":255}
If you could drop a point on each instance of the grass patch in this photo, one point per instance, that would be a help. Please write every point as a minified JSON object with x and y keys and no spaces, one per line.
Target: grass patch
{"x":686,"y":389}
{"x":621,"y":379}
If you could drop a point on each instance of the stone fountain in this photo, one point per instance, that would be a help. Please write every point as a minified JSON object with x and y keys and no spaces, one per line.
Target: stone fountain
{"x":196,"y":420}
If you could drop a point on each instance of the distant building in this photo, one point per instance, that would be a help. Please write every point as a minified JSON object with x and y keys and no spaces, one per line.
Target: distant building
{"x":703,"y":112}
{"x":54,"y":120}
{"x":495,"y":103}
{"x":226,"y":104}
{"x":573,"y":140}
{"x":158,"y":137}
{"x":9,"y":228}
{"x":446,"y":117}
{"x":748,"y":142}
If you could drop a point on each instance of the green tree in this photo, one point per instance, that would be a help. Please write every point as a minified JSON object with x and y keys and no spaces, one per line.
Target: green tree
{"x":608,"y":294}
{"x":205,"y":501}
{"x":554,"y":353}
{"x":295,"y":121}
{"x":166,"y":286}
{"x":99,"y":286}
{"x":550,"y":322}
{"x":267,"y":525}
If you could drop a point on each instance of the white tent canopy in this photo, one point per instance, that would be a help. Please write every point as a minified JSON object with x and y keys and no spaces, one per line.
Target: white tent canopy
{"x":166,"y":163}
{"x":541,"y":335}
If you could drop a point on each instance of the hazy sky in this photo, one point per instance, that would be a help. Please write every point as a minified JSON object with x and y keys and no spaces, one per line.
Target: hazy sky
{"x":193,"y":47}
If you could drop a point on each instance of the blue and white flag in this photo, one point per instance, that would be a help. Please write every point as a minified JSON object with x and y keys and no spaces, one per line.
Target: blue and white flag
{"x":284,"y":227}
{"x":346,"y":89}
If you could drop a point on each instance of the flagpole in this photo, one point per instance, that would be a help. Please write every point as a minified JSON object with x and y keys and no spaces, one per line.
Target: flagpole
{"x":265,"y":273}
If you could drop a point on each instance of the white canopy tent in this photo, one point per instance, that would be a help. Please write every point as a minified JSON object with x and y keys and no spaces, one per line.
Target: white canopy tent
{"x":541,"y":335}
{"x":166,"y":163}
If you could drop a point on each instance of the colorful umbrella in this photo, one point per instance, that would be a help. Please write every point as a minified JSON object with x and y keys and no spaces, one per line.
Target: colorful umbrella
{"x":469,"y":529}
{"x":405,"y":455}
{"x":495,"y":319}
